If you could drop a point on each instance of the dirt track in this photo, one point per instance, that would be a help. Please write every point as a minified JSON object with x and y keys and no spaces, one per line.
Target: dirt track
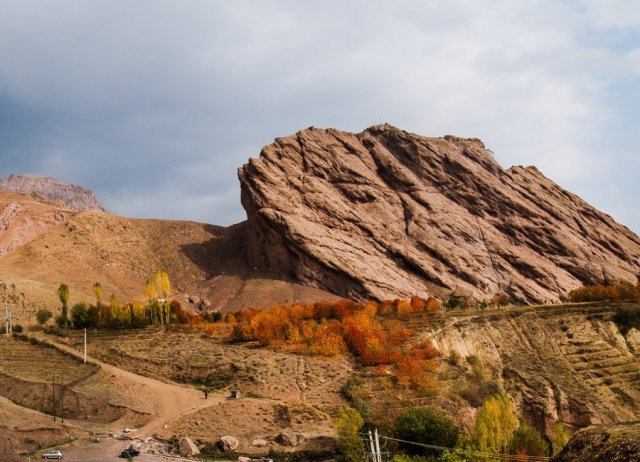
{"x":169,"y":401}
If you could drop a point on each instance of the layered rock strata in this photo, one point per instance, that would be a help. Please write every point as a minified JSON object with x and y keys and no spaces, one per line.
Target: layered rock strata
{"x":386,"y":213}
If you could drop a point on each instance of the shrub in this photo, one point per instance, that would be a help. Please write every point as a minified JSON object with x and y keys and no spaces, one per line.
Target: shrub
{"x":17,"y":328}
{"x":353,"y":390}
{"x":348,"y":425}
{"x":526,"y":440}
{"x":43,"y":315}
{"x":560,"y":436}
{"x":627,"y":318}
{"x":425,"y":426}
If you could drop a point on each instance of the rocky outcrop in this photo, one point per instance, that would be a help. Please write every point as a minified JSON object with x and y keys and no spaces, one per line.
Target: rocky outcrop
{"x":612,"y":443}
{"x":386,"y":213}
{"x":74,"y":197}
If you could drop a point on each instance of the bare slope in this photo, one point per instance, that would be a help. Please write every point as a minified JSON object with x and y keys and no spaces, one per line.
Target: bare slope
{"x":204,"y":261}
{"x":386,"y":213}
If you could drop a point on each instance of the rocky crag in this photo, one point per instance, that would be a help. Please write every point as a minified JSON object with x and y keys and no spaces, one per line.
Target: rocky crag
{"x":386,"y":213}
{"x":72,"y":196}
{"x":612,"y":443}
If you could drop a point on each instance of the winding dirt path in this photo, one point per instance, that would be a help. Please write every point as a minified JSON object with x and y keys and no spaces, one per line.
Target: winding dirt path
{"x":170,"y":401}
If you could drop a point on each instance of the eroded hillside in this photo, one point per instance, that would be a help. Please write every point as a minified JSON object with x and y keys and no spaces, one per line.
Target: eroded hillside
{"x":53,"y":245}
{"x":567,"y":363}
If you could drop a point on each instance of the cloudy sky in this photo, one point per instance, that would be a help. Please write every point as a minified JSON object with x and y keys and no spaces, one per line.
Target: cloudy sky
{"x":154,"y":104}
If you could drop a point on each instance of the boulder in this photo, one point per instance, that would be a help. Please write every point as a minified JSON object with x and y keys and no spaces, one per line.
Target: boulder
{"x":228,"y":443}
{"x":259,"y":443}
{"x":290,"y":439}
{"x":187,"y":447}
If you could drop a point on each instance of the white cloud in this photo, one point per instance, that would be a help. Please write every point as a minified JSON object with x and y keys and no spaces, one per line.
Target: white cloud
{"x":195,"y":88}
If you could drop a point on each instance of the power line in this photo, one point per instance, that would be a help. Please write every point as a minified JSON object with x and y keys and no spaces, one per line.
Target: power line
{"x":489,"y":455}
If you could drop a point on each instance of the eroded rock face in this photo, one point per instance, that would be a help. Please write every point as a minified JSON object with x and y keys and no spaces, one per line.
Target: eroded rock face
{"x":613,"y":443}
{"x":386,"y":213}
{"x":73,"y":196}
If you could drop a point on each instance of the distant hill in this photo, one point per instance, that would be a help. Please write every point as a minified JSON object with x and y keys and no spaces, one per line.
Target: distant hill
{"x":73,"y":196}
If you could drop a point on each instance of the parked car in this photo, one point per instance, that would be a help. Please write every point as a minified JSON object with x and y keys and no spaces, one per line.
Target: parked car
{"x":52,"y":455}
{"x":129,"y":452}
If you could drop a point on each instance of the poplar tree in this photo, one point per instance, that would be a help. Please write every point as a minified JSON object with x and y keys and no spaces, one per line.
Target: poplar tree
{"x":63,"y":295}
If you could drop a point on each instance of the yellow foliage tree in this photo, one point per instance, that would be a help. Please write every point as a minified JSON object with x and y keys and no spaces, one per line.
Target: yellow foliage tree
{"x":495,"y":423}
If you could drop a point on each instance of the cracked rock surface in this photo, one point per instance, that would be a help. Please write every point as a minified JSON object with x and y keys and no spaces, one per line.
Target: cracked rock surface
{"x":385,"y":213}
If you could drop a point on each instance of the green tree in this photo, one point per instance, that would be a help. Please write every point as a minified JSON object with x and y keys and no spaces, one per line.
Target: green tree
{"x":464,"y":451}
{"x":63,"y":295}
{"x":425,"y":426}
{"x":348,"y":425}
{"x":527,"y":440}
{"x":560,"y":436}
{"x":495,"y":423}
{"x":43,"y":315}
{"x":97,"y":290}
{"x":80,"y":316}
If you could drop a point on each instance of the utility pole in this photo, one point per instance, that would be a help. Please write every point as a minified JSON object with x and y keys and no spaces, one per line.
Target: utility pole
{"x":85,"y":345}
{"x":372,"y":448}
{"x":376,"y":441}
{"x":54,"y":397}
{"x":62,"y":398}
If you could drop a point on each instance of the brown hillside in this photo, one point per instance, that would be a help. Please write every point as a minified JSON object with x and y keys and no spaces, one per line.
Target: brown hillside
{"x":204,"y":261}
{"x":386,"y":213}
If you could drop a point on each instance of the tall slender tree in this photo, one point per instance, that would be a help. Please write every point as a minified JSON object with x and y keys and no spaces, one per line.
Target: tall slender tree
{"x":163,"y":286}
{"x":151,"y":293}
{"x":63,"y":295}
{"x":97,"y":290}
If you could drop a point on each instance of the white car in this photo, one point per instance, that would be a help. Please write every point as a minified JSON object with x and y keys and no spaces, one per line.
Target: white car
{"x":52,"y":455}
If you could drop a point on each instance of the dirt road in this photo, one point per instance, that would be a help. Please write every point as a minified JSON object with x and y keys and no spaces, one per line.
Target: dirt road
{"x":170,"y":401}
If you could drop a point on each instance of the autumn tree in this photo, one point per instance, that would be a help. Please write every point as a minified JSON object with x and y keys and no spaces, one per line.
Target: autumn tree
{"x":97,"y":290}
{"x":495,"y":423}
{"x":63,"y":295}
{"x":163,"y":286}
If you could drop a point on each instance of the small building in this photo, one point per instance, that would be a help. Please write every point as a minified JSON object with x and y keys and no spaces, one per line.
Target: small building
{"x":235,"y":394}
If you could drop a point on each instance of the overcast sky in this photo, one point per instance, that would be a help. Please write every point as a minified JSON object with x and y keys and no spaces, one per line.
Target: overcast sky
{"x":154,"y":104}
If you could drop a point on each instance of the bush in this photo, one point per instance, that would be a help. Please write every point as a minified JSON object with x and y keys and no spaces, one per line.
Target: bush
{"x":527,"y":440}
{"x":17,"y":328}
{"x":627,"y":318}
{"x":348,"y":425}
{"x":43,"y":315}
{"x":425,"y":426}
{"x":353,"y":390}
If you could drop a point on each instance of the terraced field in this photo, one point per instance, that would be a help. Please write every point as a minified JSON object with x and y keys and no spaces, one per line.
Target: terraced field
{"x":38,"y":363}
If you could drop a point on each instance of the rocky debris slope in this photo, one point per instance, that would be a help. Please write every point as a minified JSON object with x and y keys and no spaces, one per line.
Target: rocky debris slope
{"x":73,"y":196}
{"x":613,"y":443}
{"x":386,"y":213}
{"x":23,"y":218}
